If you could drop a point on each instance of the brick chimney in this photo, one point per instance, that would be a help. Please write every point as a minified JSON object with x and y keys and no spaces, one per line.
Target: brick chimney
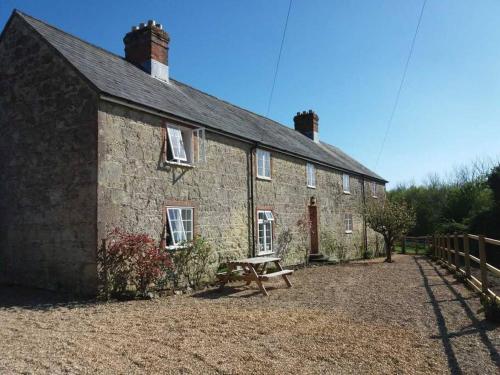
{"x":146,"y":46}
{"x":307,"y":124}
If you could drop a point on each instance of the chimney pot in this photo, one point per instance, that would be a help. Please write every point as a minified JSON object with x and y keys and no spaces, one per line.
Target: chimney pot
{"x":142,"y":25}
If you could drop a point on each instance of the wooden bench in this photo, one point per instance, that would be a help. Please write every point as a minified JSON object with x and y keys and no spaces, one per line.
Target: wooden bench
{"x":268,"y":276}
{"x":253,"y":270}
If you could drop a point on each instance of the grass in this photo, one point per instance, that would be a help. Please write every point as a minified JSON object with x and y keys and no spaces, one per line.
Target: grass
{"x":421,"y":250}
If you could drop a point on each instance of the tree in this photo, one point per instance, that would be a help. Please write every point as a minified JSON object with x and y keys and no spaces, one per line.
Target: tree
{"x":391,"y":219}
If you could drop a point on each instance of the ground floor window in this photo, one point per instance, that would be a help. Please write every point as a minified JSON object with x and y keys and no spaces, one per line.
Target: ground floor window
{"x":180,"y":225}
{"x":348,"y":223}
{"x":265,"y":223}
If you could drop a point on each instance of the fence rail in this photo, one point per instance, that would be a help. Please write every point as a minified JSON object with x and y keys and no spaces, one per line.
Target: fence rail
{"x":449,"y":249}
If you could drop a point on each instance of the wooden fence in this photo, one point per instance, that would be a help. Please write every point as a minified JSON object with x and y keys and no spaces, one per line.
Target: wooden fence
{"x":449,"y":249}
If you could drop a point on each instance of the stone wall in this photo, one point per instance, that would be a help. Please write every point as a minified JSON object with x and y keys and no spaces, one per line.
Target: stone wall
{"x":289,"y":196}
{"x":48,"y":118}
{"x":134,"y":189}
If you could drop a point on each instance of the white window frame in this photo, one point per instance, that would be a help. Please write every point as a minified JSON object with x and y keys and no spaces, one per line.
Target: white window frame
{"x":266,"y":164}
{"x":201,"y":151}
{"x":348,"y":223}
{"x":187,"y":235}
{"x":173,"y":133}
{"x":373,"y":187}
{"x":311,"y":175}
{"x":346,"y":183}
{"x":192,"y":155}
{"x":265,"y":246}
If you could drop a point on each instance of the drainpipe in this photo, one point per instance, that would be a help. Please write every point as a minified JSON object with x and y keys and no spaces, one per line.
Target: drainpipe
{"x":365,"y":233}
{"x":251,"y":201}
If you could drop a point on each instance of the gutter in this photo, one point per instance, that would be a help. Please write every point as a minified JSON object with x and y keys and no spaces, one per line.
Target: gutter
{"x":179,"y":119}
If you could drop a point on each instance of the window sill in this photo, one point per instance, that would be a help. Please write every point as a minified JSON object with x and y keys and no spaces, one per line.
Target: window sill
{"x":177,"y":164}
{"x":176,"y":247}
{"x":311,"y":187}
{"x":347,"y":192}
{"x":264,"y":178}
{"x":374,"y":197}
{"x":348,"y":231}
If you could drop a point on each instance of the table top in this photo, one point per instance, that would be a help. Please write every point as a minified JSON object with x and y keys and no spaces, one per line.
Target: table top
{"x":256,"y":260}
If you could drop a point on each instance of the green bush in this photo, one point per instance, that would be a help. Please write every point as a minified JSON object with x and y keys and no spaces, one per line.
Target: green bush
{"x":191,"y":264}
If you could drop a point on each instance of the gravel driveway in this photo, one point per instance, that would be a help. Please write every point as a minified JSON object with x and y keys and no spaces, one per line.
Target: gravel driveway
{"x":408,"y":317}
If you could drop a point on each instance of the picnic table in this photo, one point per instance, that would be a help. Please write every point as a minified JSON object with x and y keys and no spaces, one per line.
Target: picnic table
{"x":253,"y":270}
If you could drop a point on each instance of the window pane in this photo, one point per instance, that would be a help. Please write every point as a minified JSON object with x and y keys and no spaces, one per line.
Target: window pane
{"x":345,"y":182}
{"x":268,"y":236}
{"x":267,"y":165}
{"x":180,"y":221}
{"x":263,"y":163}
{"x":176,"y":143}
{"x":269,"y":215}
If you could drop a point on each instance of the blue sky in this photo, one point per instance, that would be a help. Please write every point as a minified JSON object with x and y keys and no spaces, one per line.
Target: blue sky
{"x":343,"y":59}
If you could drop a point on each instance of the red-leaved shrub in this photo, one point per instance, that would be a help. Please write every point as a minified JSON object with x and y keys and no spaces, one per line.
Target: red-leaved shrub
{"x":129,"y":259}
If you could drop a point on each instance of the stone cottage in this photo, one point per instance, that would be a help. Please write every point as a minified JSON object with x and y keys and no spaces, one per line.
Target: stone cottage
{"x":91,"y":141}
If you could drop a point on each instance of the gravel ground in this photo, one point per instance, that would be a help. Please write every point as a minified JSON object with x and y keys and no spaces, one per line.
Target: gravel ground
{"x":408,"y":317}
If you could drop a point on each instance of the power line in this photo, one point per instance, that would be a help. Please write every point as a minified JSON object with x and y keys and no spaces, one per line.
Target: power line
{"x":396,"y":102}
{"x":279,"y":58}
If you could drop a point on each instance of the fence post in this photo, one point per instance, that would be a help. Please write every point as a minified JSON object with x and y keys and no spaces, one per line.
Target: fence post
{"x":433,"y":246}
{"x":457,"y":256}
{"x":441,"y":247}
{"x":438,"y":242}
{"x":448,"y":249}
{"x":482,"y":263}
{"x":466,"y":257}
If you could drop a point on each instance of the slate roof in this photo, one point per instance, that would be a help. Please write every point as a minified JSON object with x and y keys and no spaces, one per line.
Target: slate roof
{"x":113,"y":75}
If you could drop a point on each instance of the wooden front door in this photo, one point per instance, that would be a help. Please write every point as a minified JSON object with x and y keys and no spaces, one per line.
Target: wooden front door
{"x":313,"y":218}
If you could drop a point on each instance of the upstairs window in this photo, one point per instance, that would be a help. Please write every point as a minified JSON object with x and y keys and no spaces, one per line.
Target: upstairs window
{"x":263,"y":164}
{"x":176,"y":142}
{"x":373,"y":186}
{"x":346,"y":183}
{"x":311,"y":175}
{"x":265,"y":223}
{"x":348,"y":223}
{"x":180,"y":225}
{"x":184,"y":146}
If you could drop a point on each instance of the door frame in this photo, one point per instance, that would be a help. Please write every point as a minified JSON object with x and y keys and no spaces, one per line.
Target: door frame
{"x":313,"y":215}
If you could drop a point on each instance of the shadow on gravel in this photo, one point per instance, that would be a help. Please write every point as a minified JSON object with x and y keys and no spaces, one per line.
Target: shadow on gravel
{"x":476,"y":327}
{"x":231,"y":292}
{"x":36,"y":299}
